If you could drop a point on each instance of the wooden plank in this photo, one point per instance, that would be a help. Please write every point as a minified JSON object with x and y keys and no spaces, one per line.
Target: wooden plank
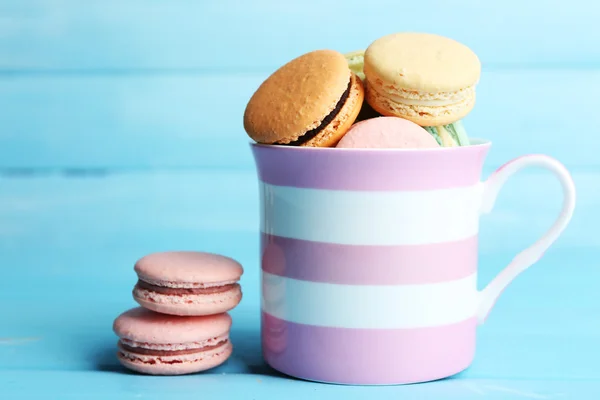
{"x":240,"y":35}
{"x":125,"y":215}
{"x":68,"y":244}
{"x":195,"y":120}
{"x":67,"y":385}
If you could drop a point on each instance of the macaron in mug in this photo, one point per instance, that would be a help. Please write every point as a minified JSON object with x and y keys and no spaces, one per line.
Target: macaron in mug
{"x":369,"y":249}
{"x":369,"y":258}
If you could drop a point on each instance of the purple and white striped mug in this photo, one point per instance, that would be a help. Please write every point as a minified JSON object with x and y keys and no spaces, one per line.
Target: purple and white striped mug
{"x":369,"y":259}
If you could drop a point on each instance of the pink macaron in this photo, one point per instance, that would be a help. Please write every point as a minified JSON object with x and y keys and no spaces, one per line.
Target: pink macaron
{"x":188,"y":283}
{"x":387,"y":132}
{"x":159,"y":344}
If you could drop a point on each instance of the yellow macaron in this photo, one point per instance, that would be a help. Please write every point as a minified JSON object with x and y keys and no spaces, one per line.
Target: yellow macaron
{"x":425,"y":78}
{"x":310,"y":101}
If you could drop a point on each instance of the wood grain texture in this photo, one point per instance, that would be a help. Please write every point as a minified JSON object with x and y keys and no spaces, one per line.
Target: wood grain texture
{"x":68,"y":244}
{"x":189,"y":121}
{"x":240,"y":35}
{"x":121,"y":134}
{"x":121,"y":211}
{"x":127,"y":386}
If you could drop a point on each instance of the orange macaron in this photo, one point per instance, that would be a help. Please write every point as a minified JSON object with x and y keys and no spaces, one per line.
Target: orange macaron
{"x":310,"y":101}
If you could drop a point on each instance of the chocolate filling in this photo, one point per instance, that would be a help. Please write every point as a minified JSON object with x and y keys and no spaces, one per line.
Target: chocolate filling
{"x":183,"y":291}
{"x":151,"y":352}
{"x":314,"y":132}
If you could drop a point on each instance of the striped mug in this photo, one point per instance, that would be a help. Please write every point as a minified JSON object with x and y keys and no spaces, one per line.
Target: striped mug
{"x":369,"y":259}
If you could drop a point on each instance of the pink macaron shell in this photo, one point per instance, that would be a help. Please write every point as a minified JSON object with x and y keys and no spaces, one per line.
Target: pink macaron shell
{"x":177,"y":364}
{"x":387,"y":132}
{"x":189,"y":304}
{"x":188,"y":269}
{"x":145,"y":326}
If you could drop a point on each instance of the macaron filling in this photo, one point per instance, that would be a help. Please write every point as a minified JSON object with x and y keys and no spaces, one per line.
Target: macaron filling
{"x":311,"y":134}
{"x":175,"y":353}
{"x":182,"y":291}
{"x":162,"y":353}
{"x":197,"y":361}
{"x":415,"y":98}
{"x":202,"y":344}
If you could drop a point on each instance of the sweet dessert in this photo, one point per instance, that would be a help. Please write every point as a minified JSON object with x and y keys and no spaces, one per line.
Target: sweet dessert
{"x":159,"y":344}
{"x":188,"y":283}
{"x":450,"y":135}
{"x":425,"y":78}
{"x":311,"y":101}
{"x":387,"y":132}
{"x":355,"y":60}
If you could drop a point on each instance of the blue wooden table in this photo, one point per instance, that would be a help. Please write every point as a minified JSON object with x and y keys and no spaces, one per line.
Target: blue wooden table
{"x":121,"y":134}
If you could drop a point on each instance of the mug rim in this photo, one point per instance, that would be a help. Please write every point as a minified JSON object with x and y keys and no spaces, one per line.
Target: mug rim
{"x":474,"y":143}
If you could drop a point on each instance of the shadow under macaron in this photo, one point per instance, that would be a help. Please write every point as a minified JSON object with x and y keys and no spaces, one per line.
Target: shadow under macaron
{"x":366,"y":112}
{"x":107,"y":361}
{"x":247,"y":355}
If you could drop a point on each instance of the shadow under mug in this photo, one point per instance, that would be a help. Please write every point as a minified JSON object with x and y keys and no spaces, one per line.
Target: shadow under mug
{"x":369,"y":259}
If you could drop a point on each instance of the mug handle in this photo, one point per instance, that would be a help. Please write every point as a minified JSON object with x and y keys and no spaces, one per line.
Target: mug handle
{"x":529,"y":256}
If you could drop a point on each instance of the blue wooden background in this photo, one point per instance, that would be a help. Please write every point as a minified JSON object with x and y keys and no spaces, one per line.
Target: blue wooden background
{"x":121,"y":134}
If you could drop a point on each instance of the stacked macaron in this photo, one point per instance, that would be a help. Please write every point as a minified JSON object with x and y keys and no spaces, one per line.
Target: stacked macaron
{"x":427,"y":81}
{"x":183,"y":325}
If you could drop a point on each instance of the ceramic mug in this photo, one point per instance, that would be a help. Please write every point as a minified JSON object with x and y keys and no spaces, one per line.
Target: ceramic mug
{"x":369,"y":259}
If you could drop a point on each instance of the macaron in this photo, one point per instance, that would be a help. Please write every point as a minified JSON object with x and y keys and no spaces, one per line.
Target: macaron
{"x":187,"y":283}
{"x":160,"y":344}
{"x":387,"y":132}
{"x":426,"y":78}
{"x":311,"y":101}
{"x":355,"y":60}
